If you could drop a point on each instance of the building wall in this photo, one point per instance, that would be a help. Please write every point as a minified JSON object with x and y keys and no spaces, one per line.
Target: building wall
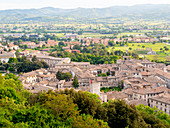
{"x":31,"y":79}
{"x":143,"y":96}
{"x":167,"y":80}
{"x":95,"y":87}
{"x":160,"y":105}
{"x":4,"y":60}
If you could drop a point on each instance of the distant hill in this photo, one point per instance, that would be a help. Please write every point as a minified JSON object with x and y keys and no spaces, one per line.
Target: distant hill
{"x":146,"y":12}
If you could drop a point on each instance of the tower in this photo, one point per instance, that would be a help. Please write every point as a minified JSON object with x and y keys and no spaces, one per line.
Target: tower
{"x":95,"y":87}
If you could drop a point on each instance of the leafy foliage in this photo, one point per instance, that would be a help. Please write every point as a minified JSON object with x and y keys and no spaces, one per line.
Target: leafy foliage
{"x":148,"y":111}
{"x":75,"y":82}
{"x":63,"y":76}
{"x":69,"y":108}
{"x":106,"y":89}
{"x":24,"y":65}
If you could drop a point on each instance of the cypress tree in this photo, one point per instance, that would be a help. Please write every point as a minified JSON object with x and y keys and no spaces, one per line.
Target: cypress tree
{"x":75,"y":82}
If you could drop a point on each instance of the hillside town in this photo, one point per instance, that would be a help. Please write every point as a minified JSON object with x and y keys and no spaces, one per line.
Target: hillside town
{"x":143,"y":82}
{"x":140,"y":81}
{"x":85,"y":64}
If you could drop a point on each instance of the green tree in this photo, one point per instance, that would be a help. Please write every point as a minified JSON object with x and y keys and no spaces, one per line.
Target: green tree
{"x":11,"y":69}
{"x":87,"y":121}
{"x":121,"y":84}
{"x":102,"y":74}
{"x":111,"y":43}
{"x":25,"y":46}
{"x":77,"y":47}
{"x":149,"y":114}
{"x":63,"y":76}
{"x":62,"y":106}
{"x":93,"y":96}
{"x":166,"y":49}
{"x":75,"y":82}
{"x":2,"y":68}
{"x":58,"y":75}
{"x":80,"y":32}
{"x":61,"y":44}
{"x":12,"y":60}
{"x":120,"y":115}
{"x":45,"y":65}
{"x":67,"y":76}
{"x":34,"y":58}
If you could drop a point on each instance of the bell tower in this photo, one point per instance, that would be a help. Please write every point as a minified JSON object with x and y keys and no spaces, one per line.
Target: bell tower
{"x":95,"y":87}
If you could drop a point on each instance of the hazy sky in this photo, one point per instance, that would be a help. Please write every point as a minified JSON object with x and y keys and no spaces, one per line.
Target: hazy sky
{"x":20,"y":4}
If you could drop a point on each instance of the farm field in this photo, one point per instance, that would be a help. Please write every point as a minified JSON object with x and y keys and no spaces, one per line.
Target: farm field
{"x":94,"y":35}
{"x":155,"y":47}
{"x":30,"y":50}
{"x":60,"y":34}
{"x":156,"y":57}
{"x":162,"y":56}
{"x":129,"y":33}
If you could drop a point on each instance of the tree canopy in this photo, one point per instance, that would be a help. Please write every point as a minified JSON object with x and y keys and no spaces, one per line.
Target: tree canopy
{"x":23,"y":64}
{"x":75,"y":82}
{"x":71,"y":109}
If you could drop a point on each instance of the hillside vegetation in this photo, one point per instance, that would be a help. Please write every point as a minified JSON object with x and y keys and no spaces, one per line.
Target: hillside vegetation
{"x":21,"y":109}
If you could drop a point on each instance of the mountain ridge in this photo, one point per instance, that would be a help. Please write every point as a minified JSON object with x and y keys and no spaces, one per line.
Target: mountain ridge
{"x":145,"y":11}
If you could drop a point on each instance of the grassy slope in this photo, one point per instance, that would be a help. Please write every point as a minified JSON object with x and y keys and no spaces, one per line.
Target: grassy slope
{"x":155,"y":47}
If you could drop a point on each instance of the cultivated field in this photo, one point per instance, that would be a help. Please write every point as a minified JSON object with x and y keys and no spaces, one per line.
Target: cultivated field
{"x":155,"y":47}
{"x":161,"y":56}
{"x":94,"y":35}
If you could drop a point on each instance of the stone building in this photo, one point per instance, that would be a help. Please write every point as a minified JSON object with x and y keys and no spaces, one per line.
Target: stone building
{"x":165,"y":76}
{"x":51,"y":61}
{"x":161,"y":102}
{"x":145,"y":93}
{"x":5,"y":57}
{"x":95,"y":87}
